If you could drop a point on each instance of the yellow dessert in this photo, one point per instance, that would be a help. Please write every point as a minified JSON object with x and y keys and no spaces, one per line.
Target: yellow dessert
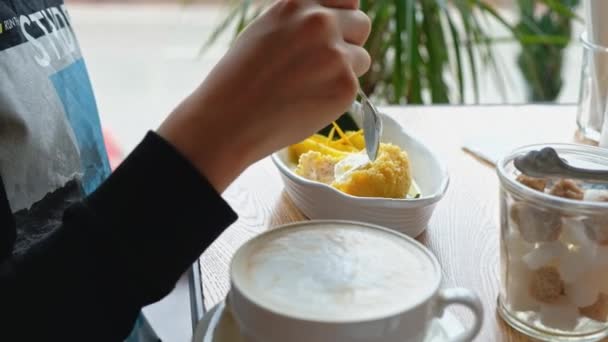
{"x":389,"y":176}
{"x":339,"y":160}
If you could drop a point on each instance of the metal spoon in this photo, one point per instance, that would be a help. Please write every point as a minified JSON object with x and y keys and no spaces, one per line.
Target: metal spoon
{"x":372,"y":130}
{"x":372,"y":125}
{"x":547,"y":163}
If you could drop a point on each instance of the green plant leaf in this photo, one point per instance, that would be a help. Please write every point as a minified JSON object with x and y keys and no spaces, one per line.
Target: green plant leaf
{"x":364,"y":5}
{"x":524,"y":38}
{"x":543,"y":39}
{"x":377,"y":45}
{"x":436,"y":52}
{"x":414,"y":90}
{"x":221,"y":27}
{"x":243,"y":17}
{"x":403,"y":9}
{"x":537,"y":37}
{"x":458,"y":55}
{"x":560,"y":8}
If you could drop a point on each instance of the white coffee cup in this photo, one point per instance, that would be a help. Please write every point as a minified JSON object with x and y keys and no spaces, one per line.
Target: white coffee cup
{"x":339,"y":281}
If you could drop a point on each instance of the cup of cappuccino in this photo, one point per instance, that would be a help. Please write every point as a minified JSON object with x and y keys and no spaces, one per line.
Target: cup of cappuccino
{"x":338,"y":281}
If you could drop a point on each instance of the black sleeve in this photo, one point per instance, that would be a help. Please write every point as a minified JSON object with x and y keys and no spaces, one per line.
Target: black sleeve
{"x":123,"y":247}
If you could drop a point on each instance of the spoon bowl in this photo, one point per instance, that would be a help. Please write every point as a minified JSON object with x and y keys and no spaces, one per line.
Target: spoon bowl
{"x":547,"y":163}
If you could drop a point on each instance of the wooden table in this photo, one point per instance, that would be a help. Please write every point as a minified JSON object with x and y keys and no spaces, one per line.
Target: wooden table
{"x":463,"y":233}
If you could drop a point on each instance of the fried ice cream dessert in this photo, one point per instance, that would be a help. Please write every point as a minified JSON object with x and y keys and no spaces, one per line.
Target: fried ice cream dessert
{"x":389,"y":176}
{"x":340,"y":160}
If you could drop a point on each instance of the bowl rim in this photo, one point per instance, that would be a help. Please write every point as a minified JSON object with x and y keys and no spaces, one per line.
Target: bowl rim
{"x":425,"y":199}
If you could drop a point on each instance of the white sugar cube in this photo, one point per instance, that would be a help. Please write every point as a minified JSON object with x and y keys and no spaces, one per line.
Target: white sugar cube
{"x":562,"y":315}
{"x":544,"y":254}
{"x":597,"y":229}
{"x":516,"y":246}
{"x":577,"y":261}
{"x":573,"y":265}
{"x":596,"y":195}
{"x":518,"y":288}
{"x":583,"y":293}
{"x":519,"y":299}
{"x":574,"y":232}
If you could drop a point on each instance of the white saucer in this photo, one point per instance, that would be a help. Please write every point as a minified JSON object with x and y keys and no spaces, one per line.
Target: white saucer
{"x":218,"y":325}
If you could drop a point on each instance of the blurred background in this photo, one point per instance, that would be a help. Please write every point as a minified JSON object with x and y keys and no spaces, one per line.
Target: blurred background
{"x":144,"y":56}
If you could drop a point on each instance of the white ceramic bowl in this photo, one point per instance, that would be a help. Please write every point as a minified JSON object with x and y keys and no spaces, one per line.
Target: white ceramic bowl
{"x":319,"y":201}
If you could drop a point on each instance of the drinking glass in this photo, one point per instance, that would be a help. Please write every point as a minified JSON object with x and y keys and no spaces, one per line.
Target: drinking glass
{"x":593,"y":90}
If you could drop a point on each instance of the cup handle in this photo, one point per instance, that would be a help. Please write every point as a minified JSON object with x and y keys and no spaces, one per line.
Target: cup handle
{"x":467,"y":298}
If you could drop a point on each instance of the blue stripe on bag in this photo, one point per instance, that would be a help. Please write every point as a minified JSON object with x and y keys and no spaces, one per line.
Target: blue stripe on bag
{"x":142,"y":331}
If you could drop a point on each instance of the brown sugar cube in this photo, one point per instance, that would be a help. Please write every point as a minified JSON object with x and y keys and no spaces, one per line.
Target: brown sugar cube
{"x":567,"y":188}
{"x":596,"y":228}
{"x":536,"y":225}
{"x":533,"y":183}
{"x":546,"y":285}
{"x":597,"y":311}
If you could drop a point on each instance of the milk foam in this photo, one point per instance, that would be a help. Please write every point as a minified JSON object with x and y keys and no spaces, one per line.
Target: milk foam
{"x":335,"y":273}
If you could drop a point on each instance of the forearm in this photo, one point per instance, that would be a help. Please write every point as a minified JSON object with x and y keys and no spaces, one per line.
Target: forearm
{"x":122,"y":248}
{"x":212,"y":141}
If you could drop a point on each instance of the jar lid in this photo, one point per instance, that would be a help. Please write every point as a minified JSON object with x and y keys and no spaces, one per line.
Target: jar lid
{"x":583,"y":156}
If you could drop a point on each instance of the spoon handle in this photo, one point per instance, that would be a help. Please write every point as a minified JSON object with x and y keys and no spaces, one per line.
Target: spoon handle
{"x":372,"y":126}
{"x":547,"y":163}
{"x":586,"y":174}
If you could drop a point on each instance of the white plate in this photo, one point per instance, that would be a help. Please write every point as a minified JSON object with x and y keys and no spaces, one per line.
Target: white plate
{"x":218,"y":325}
{"x":319,"y":201}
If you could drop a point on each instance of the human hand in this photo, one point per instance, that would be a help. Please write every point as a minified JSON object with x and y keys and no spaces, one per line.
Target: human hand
{"x":292,"y":71}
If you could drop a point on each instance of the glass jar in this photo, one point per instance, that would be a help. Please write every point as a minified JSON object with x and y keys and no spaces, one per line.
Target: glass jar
{"x":554,"y":250}
{"x":593,"y":91}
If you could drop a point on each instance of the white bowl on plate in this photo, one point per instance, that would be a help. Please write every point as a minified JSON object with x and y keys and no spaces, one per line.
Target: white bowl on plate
{"x":319,"y":201}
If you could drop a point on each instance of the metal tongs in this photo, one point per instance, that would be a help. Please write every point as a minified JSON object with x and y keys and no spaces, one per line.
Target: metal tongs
{"x":547,"y":163}
{"x":372,"y":124}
